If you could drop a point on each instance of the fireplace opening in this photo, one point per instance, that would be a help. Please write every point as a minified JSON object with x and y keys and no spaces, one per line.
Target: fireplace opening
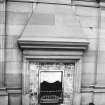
{"x":51,"y":90}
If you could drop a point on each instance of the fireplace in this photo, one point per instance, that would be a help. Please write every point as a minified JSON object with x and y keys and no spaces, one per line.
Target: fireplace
{"x":65,"y":55}
{"x":51,"y":88}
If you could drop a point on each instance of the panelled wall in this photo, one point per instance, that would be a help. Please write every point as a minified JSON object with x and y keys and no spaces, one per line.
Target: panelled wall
{"x":52,"y":21}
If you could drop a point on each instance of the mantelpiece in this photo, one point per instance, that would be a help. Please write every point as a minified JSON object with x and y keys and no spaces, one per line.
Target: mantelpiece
{"x":59,"y":47}
{"x":53,"y":43}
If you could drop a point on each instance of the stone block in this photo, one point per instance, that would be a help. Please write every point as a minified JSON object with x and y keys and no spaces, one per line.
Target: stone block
{"x":26,"y":99}
{"x":20,"y":7}
{"x":101,"y":57}
{"x":42,"y":19}
{"x":88,"y":67}
{"x":87,"y":79}
{"x":86,"y":98}
{"x":102,"y":44}
{"x":2,"y":29}
{"x":3,"y":97}
{"x":13,"y":80}
{"x":46,"y":9}
{"x":101,"y":73}
{"x":2,"y":6}
{"x":102,"y":22}
{"x":88,"y":76}
{"x":102,"y":32}
{"x":1,"y":42}
{"x":85,"y":11}
{"x":13,"y":55}
{"x":11,"y":42}
{"x":15,"y":99}
{"x":102,"y":19}
{"x":88,"y":21}
{"x":4,"y":100}
{"x":13,"y":74}
{"x":77,"y":99}
{"x":2,"y":17}
{"x":17,"y":18}
{"x":1,"y":73}
{"x":13,"y":67}
{"x":1,"y":55}
{"x":89,"y":32}
{"x":14,"y":30}
{"x":92,"y":44}
{"x":99,"y":98}
{"x":89,"y":57}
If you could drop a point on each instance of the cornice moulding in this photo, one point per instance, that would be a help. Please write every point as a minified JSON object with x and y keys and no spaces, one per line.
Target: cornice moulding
{"x":64,"y":44}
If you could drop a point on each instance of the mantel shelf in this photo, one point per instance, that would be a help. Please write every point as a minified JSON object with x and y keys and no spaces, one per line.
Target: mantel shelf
{"x":62,"y":44}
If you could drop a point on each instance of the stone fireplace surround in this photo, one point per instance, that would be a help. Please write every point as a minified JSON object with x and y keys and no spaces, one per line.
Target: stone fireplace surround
{"x":56,"y":51}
